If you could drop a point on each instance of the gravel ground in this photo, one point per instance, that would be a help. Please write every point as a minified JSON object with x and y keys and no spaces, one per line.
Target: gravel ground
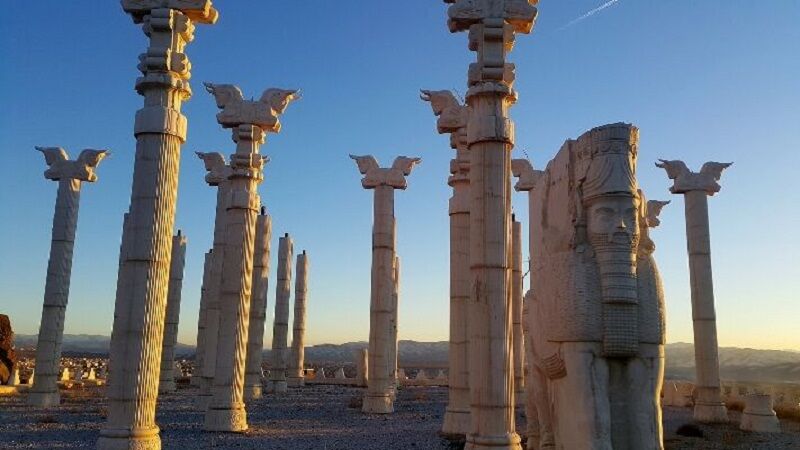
{"x":315,"y":417}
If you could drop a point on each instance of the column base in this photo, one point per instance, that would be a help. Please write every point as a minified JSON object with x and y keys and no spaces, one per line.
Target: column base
{"x":762,"y":423}
{"x":278,"y":387}
{"x":456,"y":424}
{"x":44,"y":399}
{"x":124,"y":439}
{"x":378,"y":404}
{"x":226,"y":420}
{"x":710,"y":412}
{"x":510,"y":441}
{"x":253,"y":392}
{"x":296,"y":381}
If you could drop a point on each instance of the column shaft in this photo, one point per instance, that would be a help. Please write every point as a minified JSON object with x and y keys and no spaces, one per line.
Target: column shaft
{"x":379,"y":387}
{"x":297,"y":356}
{"x":457,"y":415}
{"x":258,"y":308}
{"x":44,"y":392}
{"x":491,"y":370}
{"x":226,"y":411}
{"x":200,"y":349}
{"x":708,"y":405}
{"x":280,"y":328}
{"x":516,"y":311}
{"x":177,"y":262}
{"x":213,"y":307}
{"x":393,"y":328}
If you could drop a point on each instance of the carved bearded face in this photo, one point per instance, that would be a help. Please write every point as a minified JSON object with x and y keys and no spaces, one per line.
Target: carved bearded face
{"x":613,"y":220}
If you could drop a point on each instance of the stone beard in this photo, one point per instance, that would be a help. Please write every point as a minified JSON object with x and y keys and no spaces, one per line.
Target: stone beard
{"x":596,"y":312}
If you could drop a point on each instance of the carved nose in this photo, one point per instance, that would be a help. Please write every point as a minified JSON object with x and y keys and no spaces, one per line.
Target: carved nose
{"x":621,"y":225}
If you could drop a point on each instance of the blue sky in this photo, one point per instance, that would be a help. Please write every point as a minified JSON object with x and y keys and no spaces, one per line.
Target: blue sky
{"x":712,"y":80}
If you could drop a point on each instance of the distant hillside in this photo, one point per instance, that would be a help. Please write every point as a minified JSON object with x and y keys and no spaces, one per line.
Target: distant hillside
{"x":741,"y":364}
{"x":85,"y":343}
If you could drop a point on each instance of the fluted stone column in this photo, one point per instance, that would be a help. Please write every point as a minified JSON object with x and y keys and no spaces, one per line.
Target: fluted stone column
{"x":516,"y":312}
{"x":393,"y":342}
{"x":297,"y":355}
{"x":218,"y":176}
{"x":177,"y":263}
{"x":160,"y":130}
{"x":258,"y":308}
{"x":249,"y":121}
{"x":380,"y":387}
{"x":452,"y":118}
{"x":492,"y":25}
{"x":362,"y":369}
{"x":696,"y":187}
{"x":70,"y":175}
{"x":527,"y":178}
{"x":280,"y":326}
{"x":200,"y":349}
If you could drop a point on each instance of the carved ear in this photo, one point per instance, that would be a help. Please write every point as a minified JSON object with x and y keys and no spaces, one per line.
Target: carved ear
{"x":53,"y":154}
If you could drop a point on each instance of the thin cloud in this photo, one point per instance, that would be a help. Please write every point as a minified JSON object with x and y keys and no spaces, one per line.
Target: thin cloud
{"x":605,"y":5}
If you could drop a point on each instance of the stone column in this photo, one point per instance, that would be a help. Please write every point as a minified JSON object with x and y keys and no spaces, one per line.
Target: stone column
{"x":297,"y":355}
{"x":177,"y":262}
{"x":218,"y":173}
{"x":362,"y":370}
{"x":258,"y":307}
{"x":160,"y":130}
{"x":527,"y":178}
{"x":492,"y":25}
{"x":696,"y":187}
{"x":200,"y":349}
{"x":393,"y":342}
{"x":249,"y":121}
{"x":452,"y":118}
{"x":70,"y":175}
{"x":280,"y":327}
{"x":516,"y":311}
{"x":378,"y":398}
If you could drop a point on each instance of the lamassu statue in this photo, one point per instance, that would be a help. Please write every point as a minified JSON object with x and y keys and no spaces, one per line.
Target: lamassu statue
{"x":596,"y":305}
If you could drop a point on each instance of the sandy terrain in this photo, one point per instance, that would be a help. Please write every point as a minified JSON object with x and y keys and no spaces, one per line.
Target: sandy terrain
{"x":316,"y":417}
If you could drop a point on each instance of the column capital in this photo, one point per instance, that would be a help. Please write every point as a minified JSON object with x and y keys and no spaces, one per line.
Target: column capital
{"x":200,"y":11}
{"x":685,"y":180}
{"x":452,"y":115}
{"x":652,"y":211}
{"x":526,"y":174}
{"x":61,"y":167}
{"x":262,"y":113}
{"x":520,"y":14}
{"x":375,"y":176}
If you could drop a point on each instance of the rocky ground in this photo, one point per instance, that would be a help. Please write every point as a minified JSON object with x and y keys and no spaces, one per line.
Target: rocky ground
{"x":316,"y":417}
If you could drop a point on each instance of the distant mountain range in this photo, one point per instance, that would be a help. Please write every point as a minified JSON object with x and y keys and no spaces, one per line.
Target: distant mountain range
{"x":741,"y":364}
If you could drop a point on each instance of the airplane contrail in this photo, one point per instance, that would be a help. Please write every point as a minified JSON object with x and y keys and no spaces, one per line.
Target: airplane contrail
{"x":590,"y":13}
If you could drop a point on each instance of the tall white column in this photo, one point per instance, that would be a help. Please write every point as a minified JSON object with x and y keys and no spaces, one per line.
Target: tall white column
{"x":492,"y":25}
{"x":393,"y":342}
{"x":70,"y":175}
{"x":218,"y":174}
{"x":362,"y":369}
{"x":249,"y":121}
{"x":258,"y":308}
{"x":380,"y":387}
{"x":297,"y":355}
{"x":200,"y":348}
{"x":160,"y":130}
{"x":516,"y":312}
{"x":527,"y":179}
{"x":696,"y":187}
{"x":177,"y":263}
{"x":452,"y":118}
{"x":280,"y":326}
